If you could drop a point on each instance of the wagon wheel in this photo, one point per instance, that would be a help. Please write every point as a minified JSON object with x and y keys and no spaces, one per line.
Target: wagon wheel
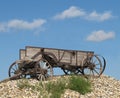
{"x":103,"y":61}
{"x":41,"y":77}
{"x":14,"y":70}
{"x":93,"y":67}
{"x":67,"y":69}
{"x":68,"y":72}
{"x":46,"y":69}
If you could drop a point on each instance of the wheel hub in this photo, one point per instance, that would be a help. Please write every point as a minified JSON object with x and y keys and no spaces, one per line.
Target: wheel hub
{"x":91,"y":66}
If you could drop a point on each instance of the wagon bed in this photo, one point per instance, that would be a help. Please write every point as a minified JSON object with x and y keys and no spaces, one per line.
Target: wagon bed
{"x":60,"y":55}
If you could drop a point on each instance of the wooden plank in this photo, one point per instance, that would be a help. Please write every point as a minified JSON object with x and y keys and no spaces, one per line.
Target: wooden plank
{"x":31,"y":51}
{"x":58,"y":49}
{"x":65,"y":56}
{"x":80,"y":57}
{"x":53,"y":51}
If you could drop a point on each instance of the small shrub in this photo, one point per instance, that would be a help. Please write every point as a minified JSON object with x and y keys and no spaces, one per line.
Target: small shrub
{"x":23,"y":84}
{"x":55,"y":88}
{"x":79,"y":84}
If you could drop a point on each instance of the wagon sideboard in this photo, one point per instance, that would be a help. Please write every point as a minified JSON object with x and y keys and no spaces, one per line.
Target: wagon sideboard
{"x":73,"y":57}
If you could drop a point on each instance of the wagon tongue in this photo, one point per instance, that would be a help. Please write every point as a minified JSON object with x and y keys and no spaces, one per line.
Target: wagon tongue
{"x":16,"y":76}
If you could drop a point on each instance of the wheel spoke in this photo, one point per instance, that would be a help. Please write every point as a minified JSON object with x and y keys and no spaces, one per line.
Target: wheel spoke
{"x":16,"y":66}
{"x":96,"y":71}
{"x":92,"y":72}
{"x":89,"y":73}
{"x":14,"y":69}
{"x":97,"y":68}
{"x":12,"y":72}
{"x":97,"y":64}
{"x":94,"y":61}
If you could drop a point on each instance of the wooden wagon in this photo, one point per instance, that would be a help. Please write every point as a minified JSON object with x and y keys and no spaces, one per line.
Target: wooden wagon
{"x":39,"y":62}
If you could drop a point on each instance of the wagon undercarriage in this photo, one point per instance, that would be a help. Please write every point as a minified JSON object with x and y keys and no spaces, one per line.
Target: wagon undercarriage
{"x":39,"y":63}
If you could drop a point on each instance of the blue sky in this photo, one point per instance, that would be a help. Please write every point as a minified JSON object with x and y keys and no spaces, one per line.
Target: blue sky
{"x":90,"y":25}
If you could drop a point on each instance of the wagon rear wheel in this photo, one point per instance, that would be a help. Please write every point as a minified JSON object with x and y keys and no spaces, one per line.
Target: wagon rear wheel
{"x":93,"y":67}
{"x":103,"y":61}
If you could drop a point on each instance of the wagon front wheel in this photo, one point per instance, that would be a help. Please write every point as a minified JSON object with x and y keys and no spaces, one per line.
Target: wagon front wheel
{"x":14,"y":70}
{"x":93,"y":67}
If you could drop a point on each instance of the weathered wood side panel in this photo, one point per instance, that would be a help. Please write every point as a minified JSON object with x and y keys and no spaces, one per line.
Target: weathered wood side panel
{"x":65,"y":56}
{"x":80,"y":57}
{"x":31,"y":51}
{"x":72,"y":57}
{"x":22,"y":53}
{"x":53,"y":51}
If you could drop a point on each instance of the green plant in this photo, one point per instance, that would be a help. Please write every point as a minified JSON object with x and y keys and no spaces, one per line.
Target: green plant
{"x":23,"y":83}
{"x":39,"y":87}
{"x":79,"y":84}
{"x":55,"y":88}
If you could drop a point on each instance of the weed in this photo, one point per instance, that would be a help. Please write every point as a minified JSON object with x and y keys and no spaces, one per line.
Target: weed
{"x":79,"y":84}
{"x":54,"y":89}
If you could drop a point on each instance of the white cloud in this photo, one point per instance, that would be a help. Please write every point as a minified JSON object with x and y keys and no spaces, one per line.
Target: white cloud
{"x":74,"y":12}
{"x":101,"y":35}
{"x":70,"y":13}
{"x":99,"y":17}
{"x":17,"y":24}
{"x":2,"y":27}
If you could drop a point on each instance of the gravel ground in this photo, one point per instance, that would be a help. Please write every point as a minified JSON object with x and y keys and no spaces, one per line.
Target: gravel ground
{"x":103,"y":87}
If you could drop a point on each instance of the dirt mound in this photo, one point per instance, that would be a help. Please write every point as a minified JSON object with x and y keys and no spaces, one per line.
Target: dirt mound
{"x":103,"y":87}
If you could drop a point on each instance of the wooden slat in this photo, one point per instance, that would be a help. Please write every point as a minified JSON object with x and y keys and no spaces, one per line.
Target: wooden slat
{"x":53,"y":51}
{"x":31,"y":51}
{"x":80,"y":57}
{"x":65,"y":55}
